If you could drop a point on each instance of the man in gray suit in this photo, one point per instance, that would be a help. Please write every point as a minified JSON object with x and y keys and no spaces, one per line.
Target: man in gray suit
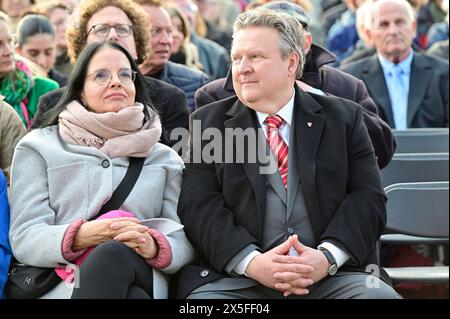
{"x":308,"y":227}
{"x":410,"y":89}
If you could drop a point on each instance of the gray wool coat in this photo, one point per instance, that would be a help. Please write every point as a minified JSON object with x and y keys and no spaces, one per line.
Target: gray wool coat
{"x":55,"y":183}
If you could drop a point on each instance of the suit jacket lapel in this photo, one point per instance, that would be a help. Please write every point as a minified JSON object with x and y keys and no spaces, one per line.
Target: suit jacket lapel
{"x":293,"y":171}
{"x":308,"y":127}
{"x":242,"y":117}
{"x":373,"y":77}
{"x":420,"y":78}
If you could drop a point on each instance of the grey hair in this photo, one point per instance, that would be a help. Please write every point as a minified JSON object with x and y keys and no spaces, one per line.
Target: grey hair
{"x":405,"y":4}
{"x":363,"y":15}
{"x":292,"y":34}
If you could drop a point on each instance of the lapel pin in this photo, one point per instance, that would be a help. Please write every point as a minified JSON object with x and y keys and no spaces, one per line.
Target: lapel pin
{"x":309,"y":124}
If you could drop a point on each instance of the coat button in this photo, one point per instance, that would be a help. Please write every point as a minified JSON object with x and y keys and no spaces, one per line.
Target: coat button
{"x":204,"y":273}
{"x":290,"y":231}
{"x":105,"y":163}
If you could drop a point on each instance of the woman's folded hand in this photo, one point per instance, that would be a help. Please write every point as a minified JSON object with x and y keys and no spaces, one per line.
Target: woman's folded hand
{"x":98,"y":231}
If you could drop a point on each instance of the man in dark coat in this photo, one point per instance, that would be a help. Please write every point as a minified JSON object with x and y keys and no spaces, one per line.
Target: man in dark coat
{"x":304,"y":225}
{"x":409,"y":88}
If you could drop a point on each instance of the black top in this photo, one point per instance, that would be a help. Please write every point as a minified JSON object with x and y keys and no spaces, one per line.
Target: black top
{"x":58,"y":77}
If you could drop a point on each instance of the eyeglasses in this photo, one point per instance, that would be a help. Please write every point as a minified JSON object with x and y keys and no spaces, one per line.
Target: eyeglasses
{"x":102,"y":77}
{"x":102,"y":30}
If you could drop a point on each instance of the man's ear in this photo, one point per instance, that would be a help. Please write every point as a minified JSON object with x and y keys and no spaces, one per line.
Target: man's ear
{"x":308,"y":42}
{"x":367,"y":37}
{"x":294,"y":60}
{"x":368,"y":33}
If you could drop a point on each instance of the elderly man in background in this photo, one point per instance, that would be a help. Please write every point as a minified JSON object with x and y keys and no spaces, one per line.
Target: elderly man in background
{"x":409,"y":88}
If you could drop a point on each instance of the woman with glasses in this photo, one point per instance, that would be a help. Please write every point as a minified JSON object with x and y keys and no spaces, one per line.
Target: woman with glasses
{"x":64,"y":172}
{"x":123,"y":22}
{"x":20,"y":88}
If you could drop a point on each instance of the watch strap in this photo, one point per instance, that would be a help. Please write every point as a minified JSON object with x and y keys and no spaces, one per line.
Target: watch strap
{"x":332,"y":269}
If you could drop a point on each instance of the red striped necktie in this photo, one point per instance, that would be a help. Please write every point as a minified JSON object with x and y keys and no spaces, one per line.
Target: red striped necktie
{"x":277,"y":145}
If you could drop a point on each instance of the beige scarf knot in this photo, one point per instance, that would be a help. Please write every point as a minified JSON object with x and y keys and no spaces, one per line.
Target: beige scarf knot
{"x":116,"y":134}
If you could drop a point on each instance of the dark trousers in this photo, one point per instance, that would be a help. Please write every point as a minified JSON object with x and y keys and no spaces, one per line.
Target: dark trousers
{"x":114,"y":271}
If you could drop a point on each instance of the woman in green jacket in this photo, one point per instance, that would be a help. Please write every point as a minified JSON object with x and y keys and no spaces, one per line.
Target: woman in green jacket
{"x":21,"y":89}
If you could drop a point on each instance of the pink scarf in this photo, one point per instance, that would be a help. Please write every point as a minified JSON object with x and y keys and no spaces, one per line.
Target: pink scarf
{"x":116,"y":134}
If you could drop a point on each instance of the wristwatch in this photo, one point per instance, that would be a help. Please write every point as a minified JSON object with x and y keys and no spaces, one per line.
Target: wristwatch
{"x":333,"y":268}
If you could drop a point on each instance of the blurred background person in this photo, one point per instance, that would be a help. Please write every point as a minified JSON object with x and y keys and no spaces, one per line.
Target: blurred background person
{"x":439,"y":31}
{"x":439,"y":49}
{"x":214,"y":58}
{"x":343,"y":36}
{"x":21,"y":89}
{"x":210,"y":18}
{"x":364,"y":46}
{"x":220,"y":13}
{"x":224,"y":14}
{"x":331,"y":12}
{"x":36,"y":40}
{"x":15,"y":9}
{"x":409,"y":88}
{"x":157,"y":65}
{"x":183,"y":50}
{"x":429,"y":12}
{"x":59,"y":16}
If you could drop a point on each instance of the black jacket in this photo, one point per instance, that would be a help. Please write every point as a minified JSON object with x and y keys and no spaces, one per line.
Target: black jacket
{"x":58,"y":77}
{"x":330,"y":80}
{"x":169,"y":102}
{"x":184,"y":78}
{"x":222,"y":204}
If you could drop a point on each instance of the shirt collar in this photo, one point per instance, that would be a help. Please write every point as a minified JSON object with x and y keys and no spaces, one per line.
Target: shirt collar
{"x":285,"y":112}
{"x":405,"y":65}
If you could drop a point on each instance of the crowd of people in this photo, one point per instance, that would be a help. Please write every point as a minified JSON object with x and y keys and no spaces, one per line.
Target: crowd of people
{"x":118,"y":173}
